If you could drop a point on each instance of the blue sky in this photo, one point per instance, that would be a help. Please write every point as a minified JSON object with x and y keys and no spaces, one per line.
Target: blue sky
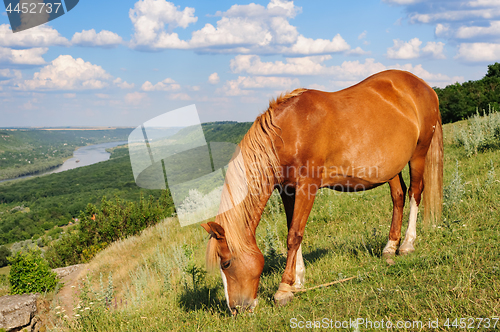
{"x":121,"y":63}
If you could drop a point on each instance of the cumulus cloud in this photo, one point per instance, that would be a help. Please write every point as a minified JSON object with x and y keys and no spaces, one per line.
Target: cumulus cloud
{"x":39,"y":36}
{"x":167,"y":84}
{"x":67,"y":73}
{"x":434,"y":49}
{"x":411,"y":49}
{"x":245,"y":29}
{"x":404,"y":50}
{"x":32,"y":56}
{"x":458,"y":20}
{"x":122,"y":84}
{"x":213,"y":78}
{"x":478,"y":52}
{"x":348,"y":73}
{"x":91,"y":38}
{"x":135,"y":98}
{"x":151,"y":17}
{"x":242,"y":85}
{"x":179,"y":96}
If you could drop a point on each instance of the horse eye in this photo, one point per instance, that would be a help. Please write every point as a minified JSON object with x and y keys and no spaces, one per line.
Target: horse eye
{"x":226,"y":265}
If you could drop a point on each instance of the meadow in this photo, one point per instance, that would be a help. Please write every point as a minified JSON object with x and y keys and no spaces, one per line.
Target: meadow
{"x":156,"y":281}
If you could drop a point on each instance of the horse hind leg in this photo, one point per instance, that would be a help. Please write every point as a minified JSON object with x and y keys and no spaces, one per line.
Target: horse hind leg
{"x":417,"y":166}
{"x":398,"y":195}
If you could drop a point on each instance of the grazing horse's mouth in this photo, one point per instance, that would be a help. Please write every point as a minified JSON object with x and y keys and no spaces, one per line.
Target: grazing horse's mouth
{"x":244,"y":308}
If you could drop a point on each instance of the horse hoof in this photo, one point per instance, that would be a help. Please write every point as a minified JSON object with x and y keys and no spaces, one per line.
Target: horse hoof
{"x":388,"y":254}
{"x":281,"y":298}
{"x":406,"y":249}
{"x":390,"y":261}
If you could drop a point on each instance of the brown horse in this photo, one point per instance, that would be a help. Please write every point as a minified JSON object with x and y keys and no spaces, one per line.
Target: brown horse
{"x":351,"y":140}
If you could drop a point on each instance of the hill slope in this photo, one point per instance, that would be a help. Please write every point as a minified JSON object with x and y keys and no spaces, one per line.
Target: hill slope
{"x":158,"y":280}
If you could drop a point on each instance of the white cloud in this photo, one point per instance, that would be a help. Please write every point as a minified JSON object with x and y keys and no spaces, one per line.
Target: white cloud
{"x":7,"y":74}
{"x":411,"y":49}
{"x":42,"y":35}
{"x":179,"y":96}
{"x":478,"y":52}
{"x":434,"y":49}
{"x":167,"y":84}
{"x":67,"y":73}
{"x":236,"y":87}
{"x":457,"y":20}
{"x":245,"y":29}
{"x":32,"y":56}
{"x":91,"y":38}
{"x":404,"y":50}
{"x":349,"y":72}
{"x":213,"y":78}
{"x":69,"y":95}
{"x":150,"y":18}
{"x":252,"y":64}
{"x":122,"y":84}
{"x":465,"y":32}
{"x":135,"y":98}
{"x":306,"y":46}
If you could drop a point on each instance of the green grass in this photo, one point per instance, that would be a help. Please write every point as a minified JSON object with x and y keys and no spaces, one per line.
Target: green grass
{"x":454,"y":273}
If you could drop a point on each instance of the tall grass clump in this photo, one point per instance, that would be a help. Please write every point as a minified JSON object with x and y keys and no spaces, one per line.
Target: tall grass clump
{"x":481,"y":133}
{"x":453,"y":193}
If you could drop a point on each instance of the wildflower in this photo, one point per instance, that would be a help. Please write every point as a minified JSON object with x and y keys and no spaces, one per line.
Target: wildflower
{"x":77,"y":315}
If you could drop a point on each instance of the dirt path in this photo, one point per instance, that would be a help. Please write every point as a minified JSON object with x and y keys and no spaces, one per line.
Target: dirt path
{"x":67,"y":296}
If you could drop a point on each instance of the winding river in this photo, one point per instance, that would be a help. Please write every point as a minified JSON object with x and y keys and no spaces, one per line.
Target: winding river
{"x":83,"y":156}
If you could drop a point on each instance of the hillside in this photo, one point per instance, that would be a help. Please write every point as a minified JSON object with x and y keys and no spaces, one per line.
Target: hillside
{"x":53,"y":200}
{"x":156,"y":281}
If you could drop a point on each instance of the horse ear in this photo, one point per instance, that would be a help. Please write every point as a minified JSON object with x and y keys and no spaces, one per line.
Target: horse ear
{"x":215,"y":230}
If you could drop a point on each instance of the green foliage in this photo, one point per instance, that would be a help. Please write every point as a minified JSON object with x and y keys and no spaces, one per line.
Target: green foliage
{"x":30,"y":273}
{"x":460,"y":101}
{"x":4,"y":255}
{"x":101,"y":225}
{"x":480,"y":134}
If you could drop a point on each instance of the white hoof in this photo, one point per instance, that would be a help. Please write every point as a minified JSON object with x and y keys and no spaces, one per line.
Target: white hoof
{"x":406,"y":248}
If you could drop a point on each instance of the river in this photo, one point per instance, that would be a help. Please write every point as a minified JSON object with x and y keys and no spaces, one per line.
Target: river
{"x":83,"y":156}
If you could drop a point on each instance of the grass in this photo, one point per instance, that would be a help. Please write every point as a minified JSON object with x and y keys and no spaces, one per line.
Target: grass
{"x":454,"y":273}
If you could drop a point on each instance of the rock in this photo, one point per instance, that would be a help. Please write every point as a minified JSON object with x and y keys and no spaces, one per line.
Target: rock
{"x":17,"y":312}
{"x":64,"y":271}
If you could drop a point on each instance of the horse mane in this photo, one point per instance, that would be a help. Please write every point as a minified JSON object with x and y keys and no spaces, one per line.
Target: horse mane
{"x":256,"y":168}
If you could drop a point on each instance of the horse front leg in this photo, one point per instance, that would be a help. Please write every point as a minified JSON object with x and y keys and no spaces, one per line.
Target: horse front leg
{"x":304,"y":199}
{"x":398,"y":195}
{"x":288,"y":198}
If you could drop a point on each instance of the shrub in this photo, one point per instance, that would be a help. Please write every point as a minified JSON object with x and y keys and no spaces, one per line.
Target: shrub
{"x":481,"y":133}
{"x":30,"y":273}
{"x":4,"y":254}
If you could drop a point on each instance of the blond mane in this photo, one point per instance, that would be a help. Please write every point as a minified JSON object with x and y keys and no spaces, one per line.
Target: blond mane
{"x":256,"y":169}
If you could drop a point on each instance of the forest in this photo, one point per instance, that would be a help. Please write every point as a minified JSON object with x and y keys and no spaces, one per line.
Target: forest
{"x":460,"y":101}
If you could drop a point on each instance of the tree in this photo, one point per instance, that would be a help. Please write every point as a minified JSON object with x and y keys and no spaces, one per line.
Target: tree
{"x":4,"y":254}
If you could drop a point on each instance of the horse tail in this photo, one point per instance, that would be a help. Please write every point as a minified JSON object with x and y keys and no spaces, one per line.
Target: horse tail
{"x":433,"y":178}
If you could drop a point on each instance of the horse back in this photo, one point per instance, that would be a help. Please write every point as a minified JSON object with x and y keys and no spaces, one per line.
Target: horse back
{"x":378,"y":124}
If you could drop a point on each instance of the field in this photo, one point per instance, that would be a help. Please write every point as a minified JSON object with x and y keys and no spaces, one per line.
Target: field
{"x":157,"y":281}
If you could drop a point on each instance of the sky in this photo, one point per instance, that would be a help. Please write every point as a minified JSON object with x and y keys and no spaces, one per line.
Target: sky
{"x":122,"y":63}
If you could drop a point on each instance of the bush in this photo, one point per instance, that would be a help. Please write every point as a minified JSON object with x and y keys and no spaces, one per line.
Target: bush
{"x":481,"y":133}
{"x":30,"y":273}
{"x":4,"y":254}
